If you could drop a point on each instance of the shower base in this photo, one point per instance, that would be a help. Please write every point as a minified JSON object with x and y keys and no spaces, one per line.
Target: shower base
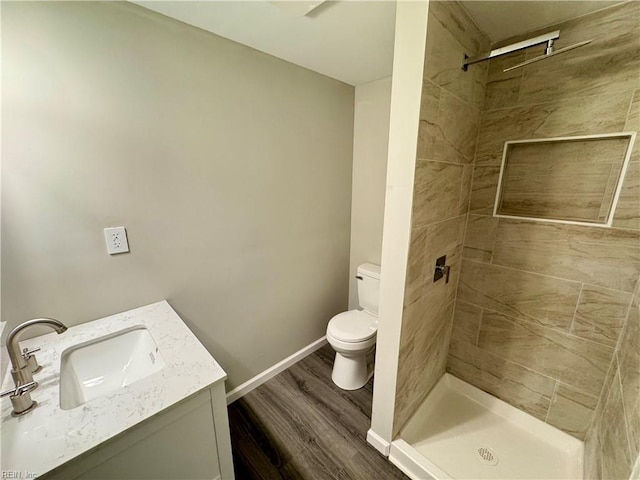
{"x":460,"y":431}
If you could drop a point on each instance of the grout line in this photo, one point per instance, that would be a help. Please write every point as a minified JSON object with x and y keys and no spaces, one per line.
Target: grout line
{"x":461,"y":164}
{"x":577,"y":98}
{"x":575,"y":311}
{"x":626,"y":117}
{"x":477,"y":344}
{"x":524,"y":323}
{"x":447,"y":219}
{"x":553,"y":396}
{"x":495,"y":239}
{"x":524,"y":367}
{"x":466,"y":102}
{"x":576,"y":389}
{"x":627,"y":428}
{"x":526,"y":271}
{"x":624,"y":326}
{"x":547,"y":275}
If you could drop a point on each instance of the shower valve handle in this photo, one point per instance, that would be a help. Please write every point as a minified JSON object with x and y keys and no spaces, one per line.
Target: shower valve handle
{"x":442,"y":269}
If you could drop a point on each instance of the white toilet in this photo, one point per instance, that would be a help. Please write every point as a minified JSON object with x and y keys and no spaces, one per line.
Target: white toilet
{"x":352,"y":334}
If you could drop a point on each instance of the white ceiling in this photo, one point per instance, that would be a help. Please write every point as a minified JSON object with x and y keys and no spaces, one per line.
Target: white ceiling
{"x":504,"y":19}
{"x":348,"y":40}
{"x":351,"y":40}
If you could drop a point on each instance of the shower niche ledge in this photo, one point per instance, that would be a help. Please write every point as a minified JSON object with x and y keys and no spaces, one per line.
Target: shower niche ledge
{"x":573,"y":180}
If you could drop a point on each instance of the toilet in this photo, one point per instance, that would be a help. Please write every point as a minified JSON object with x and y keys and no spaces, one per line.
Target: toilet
{"x":352,"y":334}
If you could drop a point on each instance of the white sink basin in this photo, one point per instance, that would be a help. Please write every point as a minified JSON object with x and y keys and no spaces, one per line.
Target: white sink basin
{"x":104,"y":365}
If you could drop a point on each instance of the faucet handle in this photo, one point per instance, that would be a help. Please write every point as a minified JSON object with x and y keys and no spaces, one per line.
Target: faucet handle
{"x":31,"y":360}
{"x":21,"y":399}
{"x":20,"y":390}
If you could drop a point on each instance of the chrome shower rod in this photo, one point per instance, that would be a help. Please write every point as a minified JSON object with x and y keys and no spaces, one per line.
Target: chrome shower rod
{"x":544,"y":38}
{"x":549,"y":53}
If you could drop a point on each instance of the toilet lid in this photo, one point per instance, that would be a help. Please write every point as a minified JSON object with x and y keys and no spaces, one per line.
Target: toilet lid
{"x":352,"y":326}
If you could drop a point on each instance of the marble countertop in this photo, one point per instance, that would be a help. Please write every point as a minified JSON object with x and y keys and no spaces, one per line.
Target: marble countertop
{"x":48,"y":436}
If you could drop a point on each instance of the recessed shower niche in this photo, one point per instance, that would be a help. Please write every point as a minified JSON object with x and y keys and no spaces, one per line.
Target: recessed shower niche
{"x":566,"y":179}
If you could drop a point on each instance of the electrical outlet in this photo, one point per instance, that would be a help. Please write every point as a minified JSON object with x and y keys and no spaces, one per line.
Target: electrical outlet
{"x":116,"y":239}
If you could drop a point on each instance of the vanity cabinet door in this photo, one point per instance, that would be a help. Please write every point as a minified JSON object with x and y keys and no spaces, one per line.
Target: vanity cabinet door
{"x":183,"y":442}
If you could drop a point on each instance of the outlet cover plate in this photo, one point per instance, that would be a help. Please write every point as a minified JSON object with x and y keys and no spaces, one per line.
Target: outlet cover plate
{"x":116,"y":238}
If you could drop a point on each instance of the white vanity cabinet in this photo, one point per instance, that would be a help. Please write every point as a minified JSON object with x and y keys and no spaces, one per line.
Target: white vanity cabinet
{"x":168,"y":422}
{"x":187,"y":441}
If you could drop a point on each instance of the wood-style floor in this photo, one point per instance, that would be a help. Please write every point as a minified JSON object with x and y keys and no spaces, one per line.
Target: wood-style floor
{"x":299,"y":425}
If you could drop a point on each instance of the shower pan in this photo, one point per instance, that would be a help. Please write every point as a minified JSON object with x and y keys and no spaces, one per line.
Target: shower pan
{"x":459,"y":431}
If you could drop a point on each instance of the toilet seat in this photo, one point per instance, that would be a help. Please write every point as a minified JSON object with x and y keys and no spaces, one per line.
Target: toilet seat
{"x":354,"y":326}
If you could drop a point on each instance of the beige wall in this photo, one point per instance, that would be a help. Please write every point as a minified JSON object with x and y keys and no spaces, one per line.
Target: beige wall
{"x":449,"y":119}
{"x":540,"y":306}
{"x":231,"y":170}
{"x":370,"y":144}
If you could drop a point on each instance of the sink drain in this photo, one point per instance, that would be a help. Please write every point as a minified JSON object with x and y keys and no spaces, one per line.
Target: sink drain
{"x":486,"y":456}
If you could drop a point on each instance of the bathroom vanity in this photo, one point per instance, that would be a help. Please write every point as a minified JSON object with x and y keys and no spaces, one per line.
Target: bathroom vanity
{"x":129,"y":396}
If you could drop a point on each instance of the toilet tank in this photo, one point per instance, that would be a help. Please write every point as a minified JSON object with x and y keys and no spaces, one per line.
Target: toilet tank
{"x":368,"y":287}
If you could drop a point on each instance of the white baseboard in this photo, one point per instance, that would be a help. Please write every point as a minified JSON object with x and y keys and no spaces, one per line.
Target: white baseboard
{"x":241,"y":390}
{"x":379,"y":443}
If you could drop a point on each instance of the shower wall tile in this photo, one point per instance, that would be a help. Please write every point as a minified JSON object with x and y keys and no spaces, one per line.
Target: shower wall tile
{"x":480,"y":237}
{"x":483,"y":189}
{"x":572,"y":410}
{"x":466,"y":322}
{"x":428,"y":126}
{"x":629,"y":364}
{"x":600,"y":314}
{"x":450,"y":114}
{"x":455,"y":19}
{"x":421,"y":323}
{"x":592,"y":467}
{"x":627,"y":214}
{"x":567,"y":117}
{"x":436,"y":192}
{"x":616,"y":459}
{"x":503,"y":88}
{"x":598,"y":256}
{"x":539,"y":299}
{"x":610,"y":61}
{"x":450,"y":35}
{"x":429,"y":243}
{"x":523,"y":278}
{"x":519,"y":386}
{"x":448,"y":128}
{"x":458,"y":124}
{"x":421,"y":364}
{"x":633,"y":124}
{"x":566,"y":358}
{"x":444,"y":238}
{"x":612,"y":443}
{"x":415,"y":263}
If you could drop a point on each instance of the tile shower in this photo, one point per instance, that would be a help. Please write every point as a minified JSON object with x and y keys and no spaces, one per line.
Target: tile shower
{"x":540,"y":315}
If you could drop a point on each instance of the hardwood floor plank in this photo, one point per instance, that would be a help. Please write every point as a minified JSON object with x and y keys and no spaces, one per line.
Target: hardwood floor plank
{"x":300,"y":425}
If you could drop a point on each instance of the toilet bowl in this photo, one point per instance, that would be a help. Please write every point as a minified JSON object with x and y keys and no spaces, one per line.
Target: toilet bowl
{"x":352,"y":334}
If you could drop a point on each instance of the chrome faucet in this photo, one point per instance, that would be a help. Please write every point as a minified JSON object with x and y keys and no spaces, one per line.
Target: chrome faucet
{"x":24,"y":365}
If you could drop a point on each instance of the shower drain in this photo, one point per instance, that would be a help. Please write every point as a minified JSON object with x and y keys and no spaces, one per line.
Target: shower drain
{"x":486,"y":456}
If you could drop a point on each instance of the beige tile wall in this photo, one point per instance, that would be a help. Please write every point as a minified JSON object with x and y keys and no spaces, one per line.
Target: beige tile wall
{"x":613,"y":441}
{"x":449,"y":120}
{"x":541,"y":307}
